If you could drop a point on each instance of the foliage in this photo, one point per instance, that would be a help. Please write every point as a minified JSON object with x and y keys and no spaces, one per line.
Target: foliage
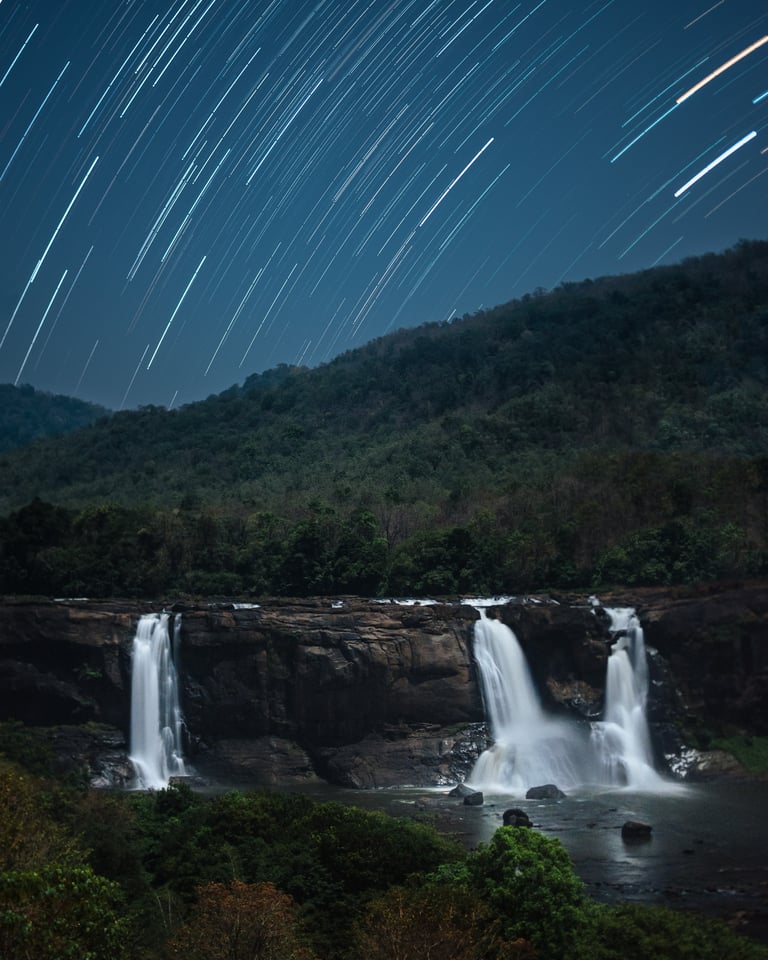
{"x":635,"y":932}
{"x":528,"y":882}
{"x":25,"y":746}
{"x":434,"y":922}
{"x":330,"y":858}
{"x":610,"y":431}
{"x":29,"y":835}
{"x":27,"y":414}
{"x":95,"y":875}
{"x":239,"y":921}
{"x":52,"y":905}
{"x":751,"y":752}
{"x":60,"y":913}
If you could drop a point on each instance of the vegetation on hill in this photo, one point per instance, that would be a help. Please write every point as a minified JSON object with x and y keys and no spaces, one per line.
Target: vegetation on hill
{"x":611,"y":431}
{"x":27,"y":414}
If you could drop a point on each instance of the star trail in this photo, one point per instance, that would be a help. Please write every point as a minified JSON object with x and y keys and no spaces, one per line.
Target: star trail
{"x":192,"y":191}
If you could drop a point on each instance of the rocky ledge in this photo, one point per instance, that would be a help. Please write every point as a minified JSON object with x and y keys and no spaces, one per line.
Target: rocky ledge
{"x":368,"y":694}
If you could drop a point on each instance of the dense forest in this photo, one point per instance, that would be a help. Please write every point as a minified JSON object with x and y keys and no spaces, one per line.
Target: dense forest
{"x":94,"y":875}
{"x":27,"y":414}
{"x":608,"y":432}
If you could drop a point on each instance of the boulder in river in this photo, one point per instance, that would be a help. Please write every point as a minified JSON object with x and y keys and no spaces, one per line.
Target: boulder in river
{"x":474,"y":799}
{"x":516,"y":818}
{"x":547,"y":791}
{"x":634,"y":831}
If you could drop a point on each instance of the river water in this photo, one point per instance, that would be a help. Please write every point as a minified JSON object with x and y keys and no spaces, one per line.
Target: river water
{"x":708,"y":849}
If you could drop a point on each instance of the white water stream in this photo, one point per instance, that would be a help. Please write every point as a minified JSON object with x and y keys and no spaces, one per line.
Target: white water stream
{"x":532,"y":748}
{"x":622,"y":740}
{"x":156,"y":719}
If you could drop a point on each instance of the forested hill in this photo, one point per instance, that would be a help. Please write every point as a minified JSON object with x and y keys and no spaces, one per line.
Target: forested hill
{"x":552,"y":430}
{"x":27,"y":414}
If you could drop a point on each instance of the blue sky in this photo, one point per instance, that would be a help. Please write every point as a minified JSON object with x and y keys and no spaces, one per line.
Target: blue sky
{"x":196,"y":190}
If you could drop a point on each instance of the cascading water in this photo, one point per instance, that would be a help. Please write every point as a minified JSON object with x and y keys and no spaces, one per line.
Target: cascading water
{"x":156,"y":719}
{"x":531,"y":748}
{"x":622,"y":740}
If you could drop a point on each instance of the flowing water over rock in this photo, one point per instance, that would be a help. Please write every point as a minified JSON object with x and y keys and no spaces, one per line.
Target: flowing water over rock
{"x":156,"y":719}
{"x":532,"y":748}
{"x":622,"y":740}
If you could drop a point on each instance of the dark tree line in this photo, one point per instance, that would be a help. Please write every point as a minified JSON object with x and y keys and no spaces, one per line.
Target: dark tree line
{"x":630,"y":521}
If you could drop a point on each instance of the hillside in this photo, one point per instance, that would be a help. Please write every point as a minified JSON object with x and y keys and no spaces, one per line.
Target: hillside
{"x":610,"y":429}
{"x":27,"y":414}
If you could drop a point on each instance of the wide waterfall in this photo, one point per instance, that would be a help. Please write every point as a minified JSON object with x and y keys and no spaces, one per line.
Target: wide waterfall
{"x":156,"y":719}
{"x":532,"y":748}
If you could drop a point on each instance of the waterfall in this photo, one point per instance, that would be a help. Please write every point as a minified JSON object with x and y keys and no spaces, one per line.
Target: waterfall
{"x":156,"y":720}
{"x":532,"y":748}
{"x":622,"y":740}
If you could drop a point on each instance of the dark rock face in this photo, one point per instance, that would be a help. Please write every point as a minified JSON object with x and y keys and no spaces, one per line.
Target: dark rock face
{"x":65,"y":663}
{"x":715,"y":646}
{"x":566,"y":650}
{"x":374,"y":694}
{"x":365,"y":694}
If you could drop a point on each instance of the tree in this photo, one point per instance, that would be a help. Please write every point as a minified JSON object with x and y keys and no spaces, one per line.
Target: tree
{"x":528,"y":881}
{"x":60,"y":913}
{"x":240,"y":921}
{"x":433,"y":923}
{"x":29,"y":838}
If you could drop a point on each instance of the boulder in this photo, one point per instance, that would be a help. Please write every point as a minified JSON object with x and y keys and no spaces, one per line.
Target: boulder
{"x":516,"y":818}
{"x":547,"y":791}
{"x":461,"y":790}
{"x":634,"y":831}
{"x":474,"y":799}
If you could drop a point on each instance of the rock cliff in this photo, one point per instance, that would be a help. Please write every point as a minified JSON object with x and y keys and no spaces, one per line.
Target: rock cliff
{"x":364,"y":694}
{"x":372,"y":694}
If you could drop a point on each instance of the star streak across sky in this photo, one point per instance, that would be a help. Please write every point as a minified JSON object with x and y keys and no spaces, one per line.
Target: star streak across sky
{"x":192,"y":191}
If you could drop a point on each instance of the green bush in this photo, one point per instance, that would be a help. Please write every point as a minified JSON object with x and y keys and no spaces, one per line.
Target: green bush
{"x":528,"y":881}
{"x":635,"y":932}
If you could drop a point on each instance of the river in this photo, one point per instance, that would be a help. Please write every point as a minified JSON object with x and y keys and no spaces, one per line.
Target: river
{"x":708,"y":849}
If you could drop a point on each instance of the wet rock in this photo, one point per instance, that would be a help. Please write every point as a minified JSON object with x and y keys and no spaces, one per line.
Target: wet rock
{"x":635,"y":831}
{"x":702,"y":765}
{"x":547,"y":791}
{"x":474,"y":799}
{"x":516,"y":818}
{"x":461,"y":790}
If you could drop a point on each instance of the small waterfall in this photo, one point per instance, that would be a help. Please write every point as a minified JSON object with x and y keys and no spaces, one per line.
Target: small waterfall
{"x":530,"y":748}
{"x":622,"y":740}
{"x":156,"y":720}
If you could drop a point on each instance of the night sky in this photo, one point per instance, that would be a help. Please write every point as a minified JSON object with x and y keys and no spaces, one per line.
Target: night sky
{"x":192,"y":191}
